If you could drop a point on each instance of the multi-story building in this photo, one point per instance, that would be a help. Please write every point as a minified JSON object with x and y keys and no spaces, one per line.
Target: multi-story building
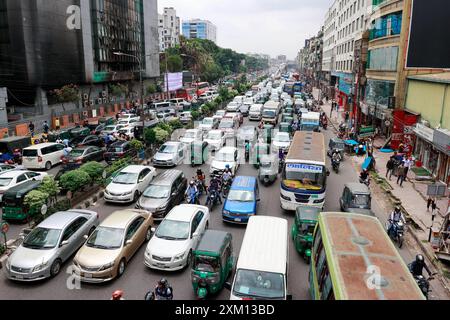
{"x":329,"y":52}
{"x":351,"y":23}
{"x":199,"y":29}
{"x":282,"y":58}
{"x":168,"y":29}
{"x":310,"y":59}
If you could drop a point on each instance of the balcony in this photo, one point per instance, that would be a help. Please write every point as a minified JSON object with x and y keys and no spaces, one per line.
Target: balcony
{"x":383,"y":7}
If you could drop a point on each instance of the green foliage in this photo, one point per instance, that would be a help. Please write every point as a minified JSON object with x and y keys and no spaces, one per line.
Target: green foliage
{"x":62,"y":205}
{"x":151,"y":89}
{"x":94,"y":170}
{"x":149,"y":136}
{"x":175,"y":124}
{"x":175,"y":63}
{"x":205,"y":109}
{"x":161,"y":135}
{"x":165,"y":127}
{"x":68,"y":93}
{"x":195,"y":115}
{"x":74,"y":180}
{"x":218,"y":100}
{"x":118,"y":90}
{"x":136,"y":145}
{"x":50,"y":187}
{"x":35,"y":199}
{"x":117,"y":165}
{"x":2,"y":249}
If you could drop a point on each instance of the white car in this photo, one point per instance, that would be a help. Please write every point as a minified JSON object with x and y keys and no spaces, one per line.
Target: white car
{"x":9,"y":167}
{"x":170,"y":154}
{"x":129,"y":183}
{"x":226,"y":156}
{"x":215,"y":139}
{"x":191,"y":135}
{"x":12,"y":178}
{"x":239,"y":99}
{"x":233,"y":106}
{"x":111,"y":130}
{"x":128,"y":116}
{"x":228,"y":126}
{"x":220,"y":113}
{"x":209,"y":124}
{"x":281,"y":140}
{"x":132,"y":122}
{"x":171,"y":247}
{"x":128,"y":131}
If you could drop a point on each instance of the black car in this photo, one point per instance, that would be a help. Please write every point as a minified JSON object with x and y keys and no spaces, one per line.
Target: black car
{"x":83,"y":154}
{"x":164,"y":192}
{"x":92,"y":140}
{"x":96,"y":128}
{"x":244,"y":110}
{"x":117,"y":150}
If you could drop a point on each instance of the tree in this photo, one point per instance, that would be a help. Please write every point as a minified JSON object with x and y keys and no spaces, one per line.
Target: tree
{"x":149,"y":136}
{"x":118,"y":90}
{"x":74,"y":180}
{"x":151,"y":89}
{"x":68,"y":93}
{"x":161,"y":135}
{"x":175,"y":63}
{"x":50,"y":187}
{"x":94,"y":170}
{"x":35,"y":199}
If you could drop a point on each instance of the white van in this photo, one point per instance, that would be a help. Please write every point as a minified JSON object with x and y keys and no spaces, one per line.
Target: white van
{"x":42,"y":156}
{"x":261,"y":270}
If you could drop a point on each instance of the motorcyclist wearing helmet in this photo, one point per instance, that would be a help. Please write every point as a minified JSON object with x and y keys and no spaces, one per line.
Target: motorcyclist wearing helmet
{"x":117,"y":295}
{"x":394,"y":218}
{"x":336,"y":155}
{"x":214,"y":187}
{"x":192,"y":191}
{"x":227,"y":174}
{"x":364,"y":175}
{"x":416,"y":267}
{"x":163,"y":290}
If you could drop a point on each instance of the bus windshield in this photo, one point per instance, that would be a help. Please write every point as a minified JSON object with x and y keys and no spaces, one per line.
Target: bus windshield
{"x":259,"y":284}
{"x":304,"y":176}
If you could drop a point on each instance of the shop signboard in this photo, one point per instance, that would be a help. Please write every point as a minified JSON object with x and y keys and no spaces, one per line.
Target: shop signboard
{"x":424,"y":132}
{"x":441,"y":139}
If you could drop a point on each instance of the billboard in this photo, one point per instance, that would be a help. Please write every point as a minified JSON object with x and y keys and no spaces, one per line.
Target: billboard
{"x":174,"y":80}
{"x":428,"y":47}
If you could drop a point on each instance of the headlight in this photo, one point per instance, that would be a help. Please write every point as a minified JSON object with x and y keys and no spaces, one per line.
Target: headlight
{"x":225,"y":212}
{"x":319,"y":201}
{"x":127,"y":193}
{"x":284,"y":197}
{"x":179,"y":257}
{"x":106,"y":266}
{"x":40,"y":267}
{"x":8,"y":264}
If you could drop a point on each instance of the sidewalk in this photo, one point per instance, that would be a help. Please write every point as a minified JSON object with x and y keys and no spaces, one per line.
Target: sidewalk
{"x":412,"y":195}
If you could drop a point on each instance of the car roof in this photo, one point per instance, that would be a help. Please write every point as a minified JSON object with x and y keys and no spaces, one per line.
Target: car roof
{"x":228,"y":149}
{"x":213,"y":241}
{"x":166,"y":178}
{"x":40,"y":146}
{"x":172,"y":143}
{"x":243,"y":183}
{"x":357,"y":187}
{"x":133,"y":169}
{"x":12,"y":173}
{"x":121,"y":218}
{"x":184,"y":212}
{"x":118,"y":143}
{"x":61,"y":219}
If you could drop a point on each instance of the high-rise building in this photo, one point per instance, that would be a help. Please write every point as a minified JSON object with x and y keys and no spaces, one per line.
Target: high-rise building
{"x":329,"y":48}
{"x":199,"y":29}
{"x":168,"y":29}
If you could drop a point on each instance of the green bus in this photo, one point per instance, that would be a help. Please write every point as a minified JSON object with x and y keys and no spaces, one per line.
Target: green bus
{"x":13,"y":206}
{"x":354,"y":259}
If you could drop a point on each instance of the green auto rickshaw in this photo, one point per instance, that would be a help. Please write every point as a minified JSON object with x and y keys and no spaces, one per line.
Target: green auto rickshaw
{"x":267,"y":133}
{"x":13,"y":202}
{"x":289,"y":110}
{"x":303,"y":230}
{"x":107,"y":121}
{"x":212,"y":262}
{"x":199,"y":153}
{"x":258,"y":151}
{"x":288,"y":119}
{"x":285,"y":127}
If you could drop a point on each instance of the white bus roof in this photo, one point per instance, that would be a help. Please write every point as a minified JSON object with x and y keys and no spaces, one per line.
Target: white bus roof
{"x":307,"y":146}
{"x":311,"y":115}
{"x":265,"y":245}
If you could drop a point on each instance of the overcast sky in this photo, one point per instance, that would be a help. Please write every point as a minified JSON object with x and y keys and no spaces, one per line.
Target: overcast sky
{"x":260,"y":26}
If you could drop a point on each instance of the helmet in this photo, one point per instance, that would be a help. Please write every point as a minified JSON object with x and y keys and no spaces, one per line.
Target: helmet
{"x":397,"y":208}
{"x":191,"y":183}
{"x":227,"y":166}
{"x":419,"y":258}
{"x":162,"y":282}
{"x":199,"y":171}
{"x":117,"y":295}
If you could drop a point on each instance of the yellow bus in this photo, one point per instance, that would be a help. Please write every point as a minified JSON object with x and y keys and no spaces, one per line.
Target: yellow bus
{"x":353,"y":259}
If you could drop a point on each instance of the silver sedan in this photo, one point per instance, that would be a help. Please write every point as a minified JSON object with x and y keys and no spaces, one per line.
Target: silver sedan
{"x":50,"y":244}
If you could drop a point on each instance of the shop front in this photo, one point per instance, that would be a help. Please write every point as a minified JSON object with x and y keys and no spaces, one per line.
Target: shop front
{"x":441,"y":142}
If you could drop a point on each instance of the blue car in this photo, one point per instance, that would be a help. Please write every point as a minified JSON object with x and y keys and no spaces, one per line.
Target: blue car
{"x":241,"y":201}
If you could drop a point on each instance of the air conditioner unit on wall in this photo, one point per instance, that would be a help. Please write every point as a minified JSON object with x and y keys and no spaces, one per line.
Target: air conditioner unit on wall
{"x":86,"y":104}
{"x":105,"y":100}
{"x":91,"y":102}
{"x":100,"y":101}
{"x":85,"y":96}
{"x":104,"y":94}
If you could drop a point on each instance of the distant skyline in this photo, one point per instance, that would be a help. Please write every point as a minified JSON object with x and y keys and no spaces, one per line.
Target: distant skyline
{"x":271,"y":27}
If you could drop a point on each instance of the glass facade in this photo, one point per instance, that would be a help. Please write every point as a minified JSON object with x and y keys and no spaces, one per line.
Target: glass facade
{"x":195,"y":30}
{"x":378,"y":90}
{"x":388,"y":25}
{"x":383,"y":59}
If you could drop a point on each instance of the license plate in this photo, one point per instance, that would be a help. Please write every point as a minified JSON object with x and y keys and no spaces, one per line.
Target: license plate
{"x":160,"y":265}
{"x":71,"y":161}
{"x":29,"y":159}
{"x":237,"y":219}
{"x":88,"y":275}
{"x":19,"y":277}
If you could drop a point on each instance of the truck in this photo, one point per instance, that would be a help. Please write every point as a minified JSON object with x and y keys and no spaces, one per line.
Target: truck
{"x":270,"y":112}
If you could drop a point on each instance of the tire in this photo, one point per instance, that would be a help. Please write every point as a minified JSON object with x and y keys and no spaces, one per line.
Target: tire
{"x":148,"y":235}
{"x":121,"y":268}
{"x":55,"y":268}
{"x":307,"y":259}
{"x":48,"y":165}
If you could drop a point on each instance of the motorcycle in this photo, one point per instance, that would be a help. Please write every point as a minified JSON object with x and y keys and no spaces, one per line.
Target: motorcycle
{"x":397,"y":232}
{"x":365,"y":181}
{"x":422,"y":282}
{"x":192,"y":199}
{"x":335,"y":163}
{"x":226,"y":185}
{"x":213,"y":199}
{"x":325,"y":125}
{"x":199,"y":184}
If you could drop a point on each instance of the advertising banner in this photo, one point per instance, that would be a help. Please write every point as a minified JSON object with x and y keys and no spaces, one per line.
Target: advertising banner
{"x":175,"y":81}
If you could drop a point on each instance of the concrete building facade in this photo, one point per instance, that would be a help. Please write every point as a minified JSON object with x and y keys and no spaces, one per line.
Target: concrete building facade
{"x":199,"y":29}
{"x":168,"y":29}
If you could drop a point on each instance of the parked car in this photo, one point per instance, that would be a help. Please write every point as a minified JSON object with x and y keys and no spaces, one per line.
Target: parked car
{"x":129,"y":184}
{"x":92,"y":140}
{"x":179,"y":104}
{"x":128,"y":131}
{"x":83,"y":154}
{"x":228,"y":126}
{"x":111,"y":129}
{"x":185,"y":117}
{"x":220,"y":114}
{"x":42,"y":156}
{"x":170,"y":154}
{"x":50,"y":244}
{"x":8,"y":167}
{"x":132,"y":122}
{"x":164,"y":192}
{"x":191,"y":135}
{"x":215,"y":139}
{"x":171,"y":247}
{"x":117,"y":150}
{"x":128,"y":116}
{"x":225,"y":156}
{"x":111,"y":246}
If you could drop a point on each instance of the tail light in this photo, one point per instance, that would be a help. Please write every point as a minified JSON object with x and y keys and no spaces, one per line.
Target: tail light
{"x":79,"y":161}
{"x":39,"y":159}
{"x":120,"y":154}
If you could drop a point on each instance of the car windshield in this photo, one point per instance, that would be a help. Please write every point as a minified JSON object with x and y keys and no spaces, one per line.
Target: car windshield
{"x":206,"y":264}
{"x":29,"y":153}
{"x":220,"y":112}
{"x":282,"y":138}
{"x":241,"y":195}
{"x":190,"y":134}
{"x":157,"y":192}
{"x":208,"y":121}
{"x":76,"y":153}
{"x":214,"y":135}
{"x":304,"y":176}
{"x":307,"y":228}
{"x":247,"y":130}
{"x":173,"y":230}
{"x":106,"y":238}
{"x":226,"y":124}
{"x":259,"y":284}
{"x":166,"y":148}
{"x":123,"y":122}
{"x":224,"y":156}
{"x":269,"y":113}
{"x":110,"y":128}
{"x":126,"y":178}
{"x":5,"y":181}
{"x":42,"y":238}
{"x":360,"y":199}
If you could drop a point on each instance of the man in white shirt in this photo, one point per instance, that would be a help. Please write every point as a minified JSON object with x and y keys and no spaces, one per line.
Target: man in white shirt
{"x":408,"y":162}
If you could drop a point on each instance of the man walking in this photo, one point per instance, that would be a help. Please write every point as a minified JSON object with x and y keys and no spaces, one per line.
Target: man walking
{"x":31,"y":128}
{"x":390,"y":167}
{"x":45,"y":127}
{"x":401,"y":174}
{"x":408,"y":162}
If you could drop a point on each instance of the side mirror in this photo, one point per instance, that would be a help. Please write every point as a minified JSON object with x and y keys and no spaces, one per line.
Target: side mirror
{"x":174,"y":194}
{"x":153,"y":230}
{"x":85,"y":236}
{"x":128,"y":242}
{"x":227,"y":285}
{"x":64,"y":243}
{"x":289,"y":297}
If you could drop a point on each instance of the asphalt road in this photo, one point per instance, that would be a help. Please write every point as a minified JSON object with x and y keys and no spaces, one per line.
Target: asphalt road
{"x":138,"y":279}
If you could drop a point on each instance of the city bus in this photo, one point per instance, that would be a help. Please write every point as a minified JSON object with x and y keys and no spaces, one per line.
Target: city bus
{"x":201,"y":87}
{"x":310,"y":121}
{"x":353,"y":259}
{"x":289,"y":88}
{"x":262,"y":266}
{"x":304,"y":174}
{"x":297,"y":87}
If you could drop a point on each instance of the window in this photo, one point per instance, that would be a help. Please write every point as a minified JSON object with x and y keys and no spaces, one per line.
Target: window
{"x":383,"y":59}
{"x":134,"y":227}
{"x":144,"y":173}
{"x":199,"y":217}
{"x":32,"y":175}
{"x":78,"y":223}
